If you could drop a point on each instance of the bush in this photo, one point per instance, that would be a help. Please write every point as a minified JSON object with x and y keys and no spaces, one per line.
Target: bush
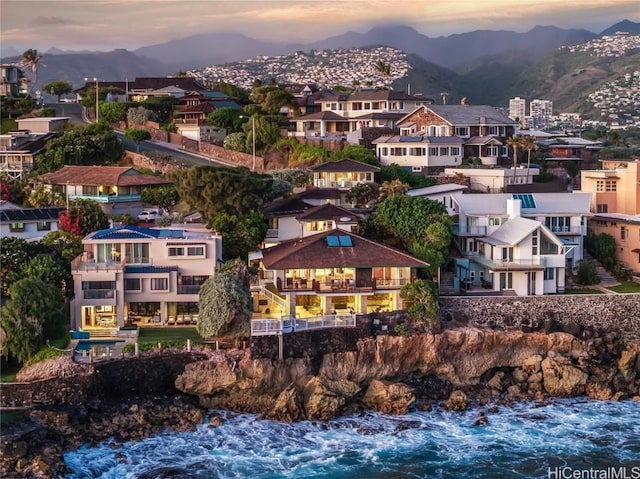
{"x":587,"y":273}
{"x":402,"y":329}
{"x":42,"y":355}
{"x":153,"y":346}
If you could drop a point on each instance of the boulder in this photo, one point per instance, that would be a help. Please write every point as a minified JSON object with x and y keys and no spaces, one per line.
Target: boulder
{"x":388,"y":398}
{"x":598,"y":390}
{"x":288,"y":406}
{"x":561,"y":379}
{"x":531,"y":365}
{"x":627,"y":364}
{"x":206,"y":377}
{"x":457,"y":401}
{"x":323,"y":399}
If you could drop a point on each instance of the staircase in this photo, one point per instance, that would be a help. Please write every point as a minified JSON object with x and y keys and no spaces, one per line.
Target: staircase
{"x":100,"y":334}
{"x":446,"y":283}
{"x":606,"y":278}
{"x":270,"y":292}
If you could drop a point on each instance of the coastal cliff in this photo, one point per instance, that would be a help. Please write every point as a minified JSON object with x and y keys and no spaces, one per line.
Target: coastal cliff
{"x":394,"y":373}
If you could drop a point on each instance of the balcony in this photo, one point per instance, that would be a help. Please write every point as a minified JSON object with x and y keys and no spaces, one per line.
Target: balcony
{"x":99,"y":294}
{"x":108,"y":198}
{"x":469,"y":230}
{"x":78,"y":265}
{"x":524,"y":264}
{"x":272,"y":233}
{"x":567,"y":230}
{"x":189,"y":288}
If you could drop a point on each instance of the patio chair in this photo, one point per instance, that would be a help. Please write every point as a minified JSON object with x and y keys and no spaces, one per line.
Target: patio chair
{"x":194,"y":319}
{"x":180,"y":319}
{"x":171,"y":321}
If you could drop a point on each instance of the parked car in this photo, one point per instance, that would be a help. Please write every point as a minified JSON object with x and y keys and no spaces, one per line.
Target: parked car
{"x":149,"y":215}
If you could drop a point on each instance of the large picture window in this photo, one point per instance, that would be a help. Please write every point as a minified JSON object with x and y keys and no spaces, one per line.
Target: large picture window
{"x":159,"y":284}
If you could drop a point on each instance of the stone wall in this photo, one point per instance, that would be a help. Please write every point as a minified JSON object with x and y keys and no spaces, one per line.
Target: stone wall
{"x":600,"y":311}
{"x":154,"y":374}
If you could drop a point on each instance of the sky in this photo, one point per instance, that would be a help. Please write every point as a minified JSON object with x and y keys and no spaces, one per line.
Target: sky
{"x":108,"y":24}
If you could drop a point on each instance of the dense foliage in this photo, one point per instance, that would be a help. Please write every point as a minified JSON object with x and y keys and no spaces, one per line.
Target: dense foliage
{"x":225,"y":302}
{"x":83,"y":217}
{"x":421,"y":296}
{"x":166,"y":197}
{"x":396,"y":172}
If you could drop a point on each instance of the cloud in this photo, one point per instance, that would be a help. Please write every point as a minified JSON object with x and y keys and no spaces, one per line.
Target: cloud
{"x":39,"y":21}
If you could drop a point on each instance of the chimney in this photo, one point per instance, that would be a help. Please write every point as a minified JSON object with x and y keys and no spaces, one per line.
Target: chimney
{"x":513,"y":208}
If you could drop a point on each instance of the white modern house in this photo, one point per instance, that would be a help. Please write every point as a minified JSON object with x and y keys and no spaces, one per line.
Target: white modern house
{"x":442,"y":193}
{"x":495,"y":179}
{"x":134,"y":275}
{"x":519,"y":243}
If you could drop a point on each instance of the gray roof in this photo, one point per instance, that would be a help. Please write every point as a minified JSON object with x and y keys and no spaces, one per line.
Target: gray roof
{"x":436,"y":189}
{"x":471,"y":114}
{"x":512,"y":232}
{"x":344,"y":165}
{"x":546,"y":203}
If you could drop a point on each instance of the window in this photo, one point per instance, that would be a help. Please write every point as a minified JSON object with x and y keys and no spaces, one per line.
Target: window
{"x":549,"y":274}
{"x":133,"y":284}
{"x":444,"y":151}
{"x":462,"y":131}
{"x":492,"y":130}
{"x":623,"y":233}
{"x":455,"y":151}
{"x":492,"y":151}
{"x":384,"y":151}
{"x":600,"y":185}
{"x":534,"y":243}
{"x":610,"y":185}
{"x":136,"y":253}
{"x":93,"y":285}
{"x":90,"y":190}
{"x":433,"y":151}
{"x":432,"y":130}
{"x":602,"y":208}
{"x":16,"y":227}
{"x":176,"y":251}
{"x":159,"y":284}
{"x":44,"y":226}
{"x":195,"y":251}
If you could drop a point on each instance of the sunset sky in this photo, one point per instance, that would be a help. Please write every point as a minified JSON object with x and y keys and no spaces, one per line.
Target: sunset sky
{"x":109,"y":24}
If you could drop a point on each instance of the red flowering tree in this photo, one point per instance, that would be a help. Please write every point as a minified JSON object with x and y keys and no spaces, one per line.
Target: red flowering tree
{"x":83,"y":217}
{"x":5,"y":192}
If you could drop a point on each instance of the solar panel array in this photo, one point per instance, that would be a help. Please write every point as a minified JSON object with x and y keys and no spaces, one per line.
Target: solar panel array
{"x":341,"y":240}
{"x":526,"y":199}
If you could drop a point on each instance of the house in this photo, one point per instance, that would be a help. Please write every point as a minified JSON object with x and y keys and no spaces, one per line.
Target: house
{"x":616,"y":206}
{"x":18,"y":151}
{"x":442,"y":193}
{"x":494,"y":179}
{"x":30,"y":224}
{"x":341,"y":113}
{"x":329,"y":273}
{"x":118,"y":189}
{"x":570,"y":148}
{"x":444,"y":135}
{"x":134,"y":275}
{"x":333,"y":179}
{"x":42,"y":124}
{"x":144,"y":87}
{"x":294,"y":218}
{"x":562,"y":216}
{"x":514,"y":256}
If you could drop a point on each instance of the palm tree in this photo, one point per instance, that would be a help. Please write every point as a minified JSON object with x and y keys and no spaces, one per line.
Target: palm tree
{"x":31,"y":59}
{"x":385,"y":70}
{"x":528,"y":143}
{"x":514,"y":142}
{"x":392,"y":188}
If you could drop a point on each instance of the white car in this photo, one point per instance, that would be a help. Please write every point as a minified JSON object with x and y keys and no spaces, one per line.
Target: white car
{"x":149,"y":215}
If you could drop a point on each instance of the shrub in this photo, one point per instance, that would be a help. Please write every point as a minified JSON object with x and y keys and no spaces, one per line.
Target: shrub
{"x":587,"y":273}
{"x":42,"y":355}
{"x":402,"y":329}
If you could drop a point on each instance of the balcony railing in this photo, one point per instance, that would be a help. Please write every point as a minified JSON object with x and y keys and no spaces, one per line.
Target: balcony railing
{"x":469,"y":230}
{"x":189,"y":288}
{"x":572,"y":230}
{"x":268,"y":327}
{"x":78,"y":265}
{"x":99,"y":294}
{"x":108,"y":198}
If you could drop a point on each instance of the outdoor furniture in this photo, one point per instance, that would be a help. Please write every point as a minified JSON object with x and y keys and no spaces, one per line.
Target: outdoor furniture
{"x":171,"y":321}
{"x":194,"y":319}
{"x":180,"y":319}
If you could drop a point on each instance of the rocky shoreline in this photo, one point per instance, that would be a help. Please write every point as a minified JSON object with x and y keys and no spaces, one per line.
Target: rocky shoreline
{"x":460,"y":367}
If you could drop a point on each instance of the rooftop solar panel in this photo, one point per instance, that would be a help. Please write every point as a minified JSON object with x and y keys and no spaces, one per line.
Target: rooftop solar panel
{"x":345,"y":240}
{"x":333,"y":241}
{"x":526,"y":199}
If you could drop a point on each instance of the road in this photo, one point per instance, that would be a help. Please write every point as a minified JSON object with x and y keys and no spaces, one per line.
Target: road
{"x":76,"y":116}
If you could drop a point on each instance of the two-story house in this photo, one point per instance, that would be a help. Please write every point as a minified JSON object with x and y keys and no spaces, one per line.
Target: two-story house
{"x":343,"y":113}
{"x":561,"y":219}
{"x":616,"y":206}
{"x":30,"y":224}
{"x":130,"y":274}
{"x":118,"y":189}
{"x":332,"y":272}
{"x":18,"y":151}
{"x":444,"y":135}
{"x":12,"y":80}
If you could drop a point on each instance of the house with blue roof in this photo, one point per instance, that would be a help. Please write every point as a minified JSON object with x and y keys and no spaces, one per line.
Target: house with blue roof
{"x":135,"y":275}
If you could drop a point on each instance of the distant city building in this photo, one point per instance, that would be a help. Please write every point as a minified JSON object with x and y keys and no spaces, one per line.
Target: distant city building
{"x":518,"y":109}
{"x":541,"y":111}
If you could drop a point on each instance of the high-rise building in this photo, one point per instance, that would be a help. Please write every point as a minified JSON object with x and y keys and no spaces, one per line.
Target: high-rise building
{"x":517,"y":109}
{"x":541,"y":111}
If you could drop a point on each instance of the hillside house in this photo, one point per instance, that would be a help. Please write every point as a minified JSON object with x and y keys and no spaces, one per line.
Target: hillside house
{"x":30,"y":224}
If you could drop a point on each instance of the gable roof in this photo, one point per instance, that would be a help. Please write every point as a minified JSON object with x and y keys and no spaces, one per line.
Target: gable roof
{"x":136,"y":232}
{"x":314,"y":252}
{"x":482,"y":140}
{"x":101,"y":175}
{"x":320,"y":194}
{"x":345,"y":165}
{"x":286,"y":207}
{"x":329,"y":212}
{"x":512,"y":232}
{"x":436,"y":189}
{"x":321,"y":115}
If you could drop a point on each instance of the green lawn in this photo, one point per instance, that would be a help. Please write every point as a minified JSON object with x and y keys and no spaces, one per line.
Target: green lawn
{"x":7,"y":125}
{"x":626,"y":287}
{"x":157,"y":335}
{"x":9,"y":374}
{"x":583,"y":291}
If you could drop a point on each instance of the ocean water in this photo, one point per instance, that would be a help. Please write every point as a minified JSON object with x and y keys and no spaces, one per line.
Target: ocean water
{"x":561,"y":440}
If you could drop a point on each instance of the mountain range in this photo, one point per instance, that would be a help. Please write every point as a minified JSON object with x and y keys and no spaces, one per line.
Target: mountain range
{"x":486,"y":66}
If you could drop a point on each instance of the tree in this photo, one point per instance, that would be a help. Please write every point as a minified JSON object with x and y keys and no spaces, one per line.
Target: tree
{"x":422,"y":298}
{"x":14,"y":254}
{"x":34,"y":314}
{"x":83,"y":217}
{"x":47,"y":269}
{"x":225,"y":302}
{"x":392,"y":188}
{"x":271,"y":98}
{"x":296,"y":176}
{"x":236,"y":142}
{"x":359,"y":153}
{"x":267,"y":133}
{"x":604,"y":250}
{"x":384,"y":69}
{"x":515,"y":142}
{"x":396,"y":172}
{"x":31,"y":59}
{"x":242,"y":233}
{"x":137,"y":135}
{"x":529,"y":144}
{"x":363,"y":194}
{"x":94,"y":144}
{"x":58,"y":88}
{"x":41,"y":197}
{"x":166,"y":197}
{"x":112,"y":112}
{"x":66,"y":246}
{"x":138,"y":116}
{"x":227,"y":118}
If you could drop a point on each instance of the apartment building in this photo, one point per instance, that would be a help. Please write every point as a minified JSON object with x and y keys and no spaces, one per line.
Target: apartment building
{"x":616,"y":206}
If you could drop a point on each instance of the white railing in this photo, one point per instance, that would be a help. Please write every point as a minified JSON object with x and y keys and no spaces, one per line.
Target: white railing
{"x":273,"y":297}
{"x":269,"y":327}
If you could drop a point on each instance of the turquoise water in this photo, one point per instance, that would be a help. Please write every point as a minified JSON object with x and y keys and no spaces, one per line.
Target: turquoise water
{"x":523,"y":441}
